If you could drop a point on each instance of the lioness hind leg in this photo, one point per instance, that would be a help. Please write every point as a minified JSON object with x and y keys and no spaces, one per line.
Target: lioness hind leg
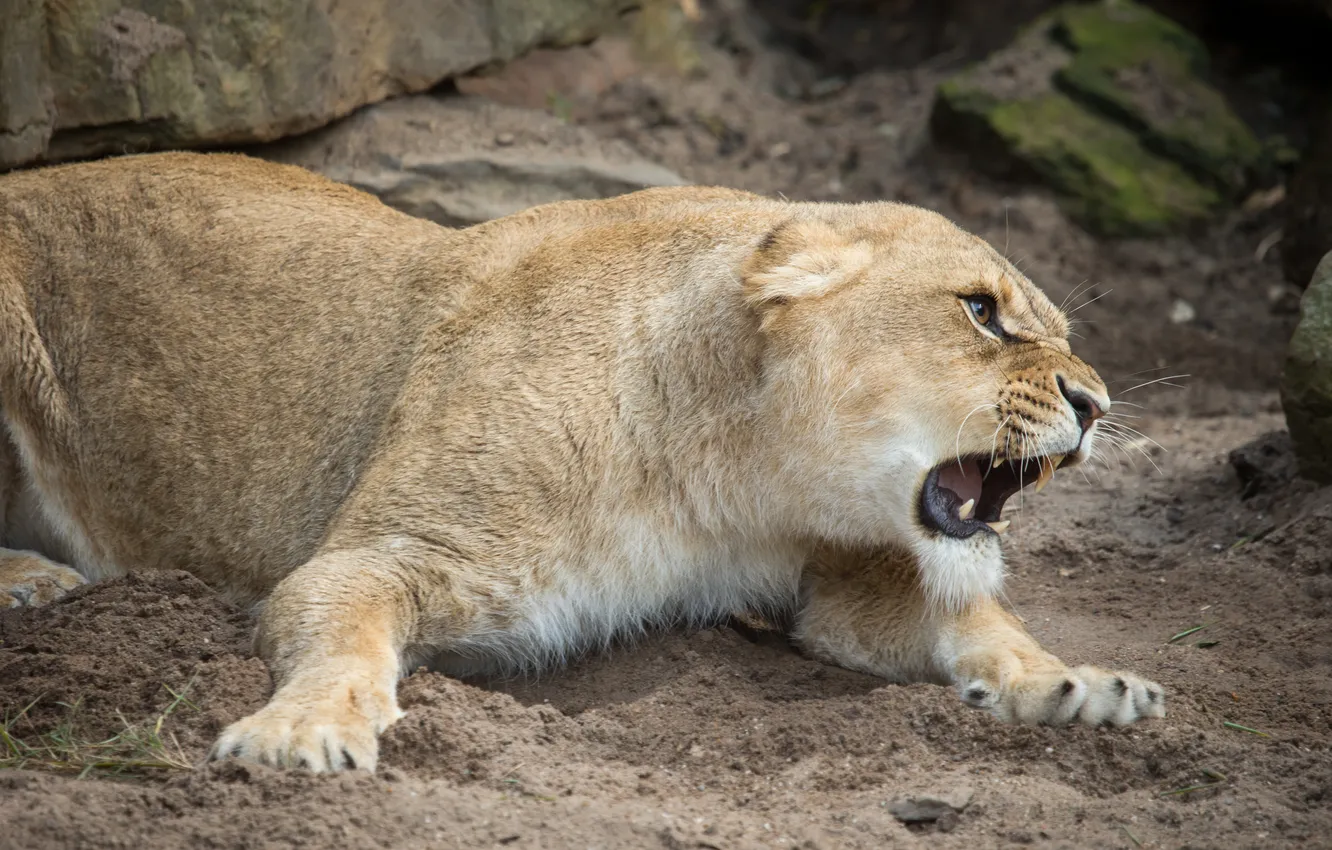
{"x":30,"y":579}
{"x":333,"y":633}
{"x":870,"y":614}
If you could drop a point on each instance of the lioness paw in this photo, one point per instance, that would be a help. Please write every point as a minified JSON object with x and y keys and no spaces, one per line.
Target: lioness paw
{"x":31,"y":580}
{"x":324,"y":735}
{"x":1087,"y":695}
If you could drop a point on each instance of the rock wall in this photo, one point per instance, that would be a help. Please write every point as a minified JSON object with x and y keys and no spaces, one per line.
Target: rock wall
{"x":88,"y":77}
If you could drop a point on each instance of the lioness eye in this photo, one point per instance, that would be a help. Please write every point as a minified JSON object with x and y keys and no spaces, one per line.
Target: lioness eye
{"x":982,"y":307}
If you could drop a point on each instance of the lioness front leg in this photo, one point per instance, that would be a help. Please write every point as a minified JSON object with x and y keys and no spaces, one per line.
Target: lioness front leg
{"x":869,"y":614}
{"x":333,"y":633}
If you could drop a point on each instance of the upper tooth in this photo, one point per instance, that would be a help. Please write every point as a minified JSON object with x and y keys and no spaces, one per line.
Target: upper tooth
{"x":1047,"y":475}
{"x":998,"y":462}
{"x":999,"y":527}
{"x":968,"y":506}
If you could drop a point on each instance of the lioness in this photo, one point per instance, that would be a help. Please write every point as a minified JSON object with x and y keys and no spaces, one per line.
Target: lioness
{"x":500,"y":446}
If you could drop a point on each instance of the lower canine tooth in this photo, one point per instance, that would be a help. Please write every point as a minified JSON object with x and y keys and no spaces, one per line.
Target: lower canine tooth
{"x":966,"y":510}
{"x":999,"y":527}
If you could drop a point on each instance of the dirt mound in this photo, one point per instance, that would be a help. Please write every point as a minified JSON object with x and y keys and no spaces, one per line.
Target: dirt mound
{"x":122,"y":652}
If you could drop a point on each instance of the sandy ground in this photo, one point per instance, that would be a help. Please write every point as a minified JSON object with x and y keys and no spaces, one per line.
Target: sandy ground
{"x":728,"y":738}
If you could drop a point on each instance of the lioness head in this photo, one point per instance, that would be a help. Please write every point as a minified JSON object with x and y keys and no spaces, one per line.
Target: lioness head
{"x":925,"y":379}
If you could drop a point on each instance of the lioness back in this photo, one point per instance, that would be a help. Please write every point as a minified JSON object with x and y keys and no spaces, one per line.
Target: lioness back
{"x":221,"y":340}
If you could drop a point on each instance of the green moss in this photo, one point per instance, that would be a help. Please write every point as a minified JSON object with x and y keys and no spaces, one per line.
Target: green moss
{"x":1110,"y":181}
{"x":1306,"y":385}
{"x":964,"y":98}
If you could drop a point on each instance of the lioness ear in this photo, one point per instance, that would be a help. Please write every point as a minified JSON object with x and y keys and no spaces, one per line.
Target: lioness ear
{"x":802,"y":259}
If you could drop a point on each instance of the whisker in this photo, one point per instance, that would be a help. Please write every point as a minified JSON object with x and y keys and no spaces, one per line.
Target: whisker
{"x":1114,"y":440}
{"x":1006,"y":231}
{"x":1003,"y":595}
{"x":1074,"y":294}
{"x":1156,"y":381}
{"x":994,"y":441}
{"x":1144,"y":453}
{"x":1140,"y":450}
{"x":1136,"y":433}
{"x":957,"y":443}
{"x":1143,"y":372}
{"x":1043,"y":450}
{"x":1122,"y":440}
{"x":1022,"y":466}
{"x":1090,"y":301}
{"x":1117,"y":447}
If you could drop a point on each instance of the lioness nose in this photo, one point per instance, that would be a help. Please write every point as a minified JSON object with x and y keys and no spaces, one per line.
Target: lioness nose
{"x":1084,"y":406}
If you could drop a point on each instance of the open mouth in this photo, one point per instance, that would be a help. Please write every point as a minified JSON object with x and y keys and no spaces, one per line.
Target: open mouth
{"x":966,"y":495}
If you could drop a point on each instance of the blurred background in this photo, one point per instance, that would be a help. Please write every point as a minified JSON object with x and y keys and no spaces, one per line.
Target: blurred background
{"x":1161,"y":168}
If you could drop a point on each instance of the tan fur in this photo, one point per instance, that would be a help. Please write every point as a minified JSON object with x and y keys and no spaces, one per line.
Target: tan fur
{"x":504,"y":445}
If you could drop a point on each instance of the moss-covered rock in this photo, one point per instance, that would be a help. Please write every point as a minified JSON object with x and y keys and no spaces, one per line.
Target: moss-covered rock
{"x":1111,"y":182}
{"x":85,"y":77}
{"x":1106,"y":102}
{"x":1306,"y":385}
{"x":1145,"y":70}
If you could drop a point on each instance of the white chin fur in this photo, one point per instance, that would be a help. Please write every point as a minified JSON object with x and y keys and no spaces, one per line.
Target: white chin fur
{"x":955,"y":573}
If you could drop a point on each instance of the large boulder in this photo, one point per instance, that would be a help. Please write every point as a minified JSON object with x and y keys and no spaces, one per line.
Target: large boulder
{"x":463,"y":160}
{"x":97,"y":76}
{"x":1108,"y":103}
{"x":1306,"y":385}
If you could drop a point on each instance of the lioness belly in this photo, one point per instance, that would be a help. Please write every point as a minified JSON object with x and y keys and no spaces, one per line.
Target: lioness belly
{"x":658,"y":580}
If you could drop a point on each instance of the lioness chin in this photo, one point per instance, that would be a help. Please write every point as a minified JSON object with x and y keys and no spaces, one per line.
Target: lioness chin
{"x":500,"y":446}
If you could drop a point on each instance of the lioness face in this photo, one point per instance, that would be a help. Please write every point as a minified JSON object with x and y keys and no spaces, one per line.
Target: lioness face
{"x":935,"y":380}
